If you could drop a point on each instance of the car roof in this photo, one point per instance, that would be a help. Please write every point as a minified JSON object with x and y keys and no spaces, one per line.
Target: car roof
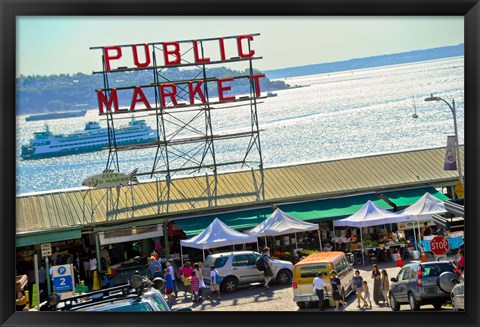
{"x":321,"y":257}
{"x":223,"y":254}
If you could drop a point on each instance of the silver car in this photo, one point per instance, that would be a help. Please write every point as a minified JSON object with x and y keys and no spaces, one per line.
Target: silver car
{"x":239,"y":268}
{"x":458,"y":294}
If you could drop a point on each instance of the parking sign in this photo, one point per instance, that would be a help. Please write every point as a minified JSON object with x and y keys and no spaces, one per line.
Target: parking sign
{"x":63,"y":278}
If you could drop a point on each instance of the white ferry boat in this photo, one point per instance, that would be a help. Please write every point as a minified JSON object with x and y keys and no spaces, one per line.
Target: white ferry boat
{"x":93,"y":138}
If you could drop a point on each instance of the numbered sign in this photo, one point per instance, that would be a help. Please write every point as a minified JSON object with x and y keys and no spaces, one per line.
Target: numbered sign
{"x":63,"y":279}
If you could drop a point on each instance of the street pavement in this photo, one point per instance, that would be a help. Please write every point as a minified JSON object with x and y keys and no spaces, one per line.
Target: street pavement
{"x":280,"y":297}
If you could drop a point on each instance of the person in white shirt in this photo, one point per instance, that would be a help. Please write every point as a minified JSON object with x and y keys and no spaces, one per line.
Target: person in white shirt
{"x":171,"y":272}
{"x":319,"y":286}
{"x":214,"y":283}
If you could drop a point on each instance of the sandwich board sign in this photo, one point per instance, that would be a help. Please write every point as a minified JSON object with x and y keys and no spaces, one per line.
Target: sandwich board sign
{"x":63,"y":281}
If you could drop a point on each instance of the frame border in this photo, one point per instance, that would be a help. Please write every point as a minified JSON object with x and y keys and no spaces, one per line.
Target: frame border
{"x":470,"y":9}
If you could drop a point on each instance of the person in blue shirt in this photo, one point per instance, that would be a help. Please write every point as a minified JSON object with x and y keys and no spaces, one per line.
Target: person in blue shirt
{"x":169,"y":286}
{"x":155,"y":267}
{"x":358,"y":283}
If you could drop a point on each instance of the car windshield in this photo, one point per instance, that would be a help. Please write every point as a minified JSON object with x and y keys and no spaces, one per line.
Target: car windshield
{"x":218,"y":263}
{"x":156,"y":296}
{"x":435,"y":269}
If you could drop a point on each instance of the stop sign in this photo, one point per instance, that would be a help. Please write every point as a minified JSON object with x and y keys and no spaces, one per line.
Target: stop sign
{"x":439,"y":245}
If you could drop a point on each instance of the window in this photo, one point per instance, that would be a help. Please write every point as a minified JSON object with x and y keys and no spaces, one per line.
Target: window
{"x":220,"y":262}
{"x":400,"y":274}
{"x":312,"y":270}
{"x":435,"y":269}
{"x":340,"y":266}
{"x":240,"y":260}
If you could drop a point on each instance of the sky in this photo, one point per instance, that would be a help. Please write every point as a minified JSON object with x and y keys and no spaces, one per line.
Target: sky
{"x":61,"y":45}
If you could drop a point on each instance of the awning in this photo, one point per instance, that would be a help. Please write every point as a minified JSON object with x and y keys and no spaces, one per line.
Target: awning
{"x":312,"y":211}
{"x":239,"y":220}
{"x":48,"y":236}
{"x":130,"y":234}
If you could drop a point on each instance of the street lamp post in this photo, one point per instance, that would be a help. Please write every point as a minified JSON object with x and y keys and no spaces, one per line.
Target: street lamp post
{"x":454,"y":113}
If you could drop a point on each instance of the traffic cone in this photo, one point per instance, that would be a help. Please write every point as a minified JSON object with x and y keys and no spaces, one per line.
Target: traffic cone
{"x":34,"y":296}
{"x":96,"y":282}
{"x":423,"y":258}
{"x":399,"y":259}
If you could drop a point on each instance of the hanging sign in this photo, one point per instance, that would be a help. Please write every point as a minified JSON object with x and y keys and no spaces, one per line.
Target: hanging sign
{"x":46,"y":249}
{"x":450,"y":155}
{"x":111,"y":179}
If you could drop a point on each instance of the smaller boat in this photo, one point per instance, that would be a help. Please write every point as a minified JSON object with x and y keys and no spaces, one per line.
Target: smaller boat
{"x":271,"y":94}
{"x":57,"y":115}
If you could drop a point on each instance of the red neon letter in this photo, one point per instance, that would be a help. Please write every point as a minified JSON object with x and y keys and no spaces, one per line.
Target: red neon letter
{"x":222,"y":88}
{"x":109,"y":57}
{"x":175,"y":52}
{"x":172,"y":94}
{"x":135,"y":56}
{"x":196,"y":54}
{"x":240,"y":48}
{"x":108,"y":102}
{"x":222,"y":49}
{"x":256,"y":78}
{"x":139,"y":96}
{"x":193,"y":91}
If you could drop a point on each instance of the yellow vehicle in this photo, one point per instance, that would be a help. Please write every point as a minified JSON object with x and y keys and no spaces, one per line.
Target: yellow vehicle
{"x":306,"y":270}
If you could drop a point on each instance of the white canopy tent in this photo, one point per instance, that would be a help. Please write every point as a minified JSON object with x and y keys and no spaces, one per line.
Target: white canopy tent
{"x":216,"y":235}
{"x":280,"y":223}
{"x":423,"y":209}
{"x":371,"y":215}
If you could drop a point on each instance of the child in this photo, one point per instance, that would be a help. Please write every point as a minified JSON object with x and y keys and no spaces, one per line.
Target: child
{"x":195,"y":285}
{"x":168,"y":286}
{"x":366,"y":294}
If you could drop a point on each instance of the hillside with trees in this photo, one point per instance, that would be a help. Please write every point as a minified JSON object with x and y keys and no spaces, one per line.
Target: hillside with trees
{"x":40,"y":94}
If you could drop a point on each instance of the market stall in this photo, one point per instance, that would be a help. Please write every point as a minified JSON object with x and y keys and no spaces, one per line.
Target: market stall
{"x":423,"y":209}
{"x":280,"y":223}
{"x":216,"y":235}
{"x":370,"y":215}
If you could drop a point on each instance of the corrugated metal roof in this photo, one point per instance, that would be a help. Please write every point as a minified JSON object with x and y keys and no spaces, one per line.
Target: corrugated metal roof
{"x":187,"y":195}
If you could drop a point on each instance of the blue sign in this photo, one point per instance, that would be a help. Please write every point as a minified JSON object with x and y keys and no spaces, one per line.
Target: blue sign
{"x":63,"y":283}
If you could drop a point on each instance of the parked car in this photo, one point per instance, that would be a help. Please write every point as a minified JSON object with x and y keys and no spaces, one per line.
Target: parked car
{"x":457,"y":296}
{"x":424,"y":283}
{"x":239,"y":268}
{"x":140,"y":295}
{"x":324,"y":262}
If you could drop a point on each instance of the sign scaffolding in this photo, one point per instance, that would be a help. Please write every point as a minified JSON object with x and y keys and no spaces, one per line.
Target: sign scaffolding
{"x":186,"y":110}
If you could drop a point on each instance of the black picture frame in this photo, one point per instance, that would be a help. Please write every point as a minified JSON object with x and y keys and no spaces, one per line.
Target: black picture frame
{"x":470,"y":9}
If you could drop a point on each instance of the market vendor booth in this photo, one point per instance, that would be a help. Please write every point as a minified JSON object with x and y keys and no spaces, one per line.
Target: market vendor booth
{"x":368,"y":216}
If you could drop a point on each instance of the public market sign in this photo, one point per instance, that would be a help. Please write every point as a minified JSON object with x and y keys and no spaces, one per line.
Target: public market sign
{"x":177,"y":54}
{"x":110,"y":179}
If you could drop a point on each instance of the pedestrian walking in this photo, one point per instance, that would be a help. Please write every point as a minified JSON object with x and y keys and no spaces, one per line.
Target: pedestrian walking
{"x":195,"y":286}
{"x":385,"y":286}
{"x":319,"y":287}
{"x":461,"y":259}
{"x":169,"y":285}
{"x":186,"y":273}
{"x":358,"y":284}
{"x":377,"y":285}
{"x":199,"y":272}
{"x":268,"y":267}
{"x":155,"y":267}
{"x":214,"y":283}
{"x":336,"y":289}
{"x":366,"y":294}
{"x":171,"y":271}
